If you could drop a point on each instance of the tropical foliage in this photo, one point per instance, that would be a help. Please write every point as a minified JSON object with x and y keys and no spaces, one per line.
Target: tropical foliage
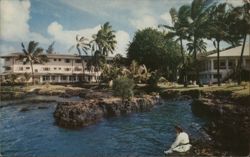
{"x":105,"y":40}
{"x":50,"y":49}
{"x":32,"y":55}
{"x":123,"y":87}
{"x":151,"y":48}
{"x":179,"y":30}
{"x":240,"y":26}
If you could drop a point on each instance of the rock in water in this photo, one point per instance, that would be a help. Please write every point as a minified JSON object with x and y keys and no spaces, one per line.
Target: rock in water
{"x":83,"y":113}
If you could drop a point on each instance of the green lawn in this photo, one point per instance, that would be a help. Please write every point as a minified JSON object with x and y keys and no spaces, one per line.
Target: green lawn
{"x":243,"y":89}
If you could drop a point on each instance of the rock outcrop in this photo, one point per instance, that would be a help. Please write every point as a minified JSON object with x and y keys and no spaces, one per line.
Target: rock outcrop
{"x":229,"y":120}
{"x":89,"y":111}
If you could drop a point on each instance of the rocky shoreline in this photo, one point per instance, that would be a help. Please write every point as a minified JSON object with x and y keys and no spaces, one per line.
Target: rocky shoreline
{"x":228,"y":117}
{"x":229,"y":121}
{"x":89,"y":111}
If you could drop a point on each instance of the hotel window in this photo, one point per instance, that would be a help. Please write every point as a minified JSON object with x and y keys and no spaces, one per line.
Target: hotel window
{"x":7,"y":68}
{"x":55,"y":68}
{"x":67,"y":60}
{"x":27,"y":68}
{"x":67,"y":69}
{"x":215,"y":76}
{"x":215,"y":64}
{"x":20,"y":68}
{"x":248,"y":63}
{"x":46,"y":78}
{"x":222,"y":64}
{"x":53,"y":78}
{"x":59,"y":60}
{"x":59,"y":68}
{"x":36,"y":70}
{"x":46,"y":69}
{"x":231,"y":64}
{"x":64,"y":78}
{"x":78,"y":69}
{"x":55,"y":59}
{"x":78,"y":61}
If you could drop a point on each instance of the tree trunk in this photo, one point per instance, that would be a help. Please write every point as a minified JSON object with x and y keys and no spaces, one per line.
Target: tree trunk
{"x":83,"y":67}
{"x":241,"y":59}
{"x":218,"y":62}
{"x":32,"y":73}
{"x":197,"y":77}
{"x":184,"y":66}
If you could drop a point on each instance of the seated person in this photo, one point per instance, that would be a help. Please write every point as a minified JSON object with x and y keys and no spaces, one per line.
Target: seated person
{"x":181,"y":143}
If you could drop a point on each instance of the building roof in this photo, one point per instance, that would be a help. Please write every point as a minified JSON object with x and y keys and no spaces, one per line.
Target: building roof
{"x":65,"y":56}
{"x":233,"y":52}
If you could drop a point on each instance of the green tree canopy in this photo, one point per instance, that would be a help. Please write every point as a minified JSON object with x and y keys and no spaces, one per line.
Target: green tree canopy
{"x":153,"y":49}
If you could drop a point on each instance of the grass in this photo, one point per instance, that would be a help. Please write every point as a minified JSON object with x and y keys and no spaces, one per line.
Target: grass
{"x":242,"y":90}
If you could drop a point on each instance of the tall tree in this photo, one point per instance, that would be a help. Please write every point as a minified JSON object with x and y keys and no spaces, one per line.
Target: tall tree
{"x":50,"y":49}
{"x":240,"y":26}
{"x":179,"y":30}
{"x":105,"y":39}
{"x":32,"y":55}
{"x":151,"y":48}
{"x":197,"y":27}
{"x":82,"y":45}
{"x":218,"y":30}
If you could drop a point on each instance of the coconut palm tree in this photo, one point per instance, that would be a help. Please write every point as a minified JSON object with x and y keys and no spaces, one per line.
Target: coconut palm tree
{"x":197,"y":27}
{"x":50,"y":49}
{"x":218,"y":29}
{"x":179,"y":30}
{"x":32,"y":55}
{"x":240,"y":26}
{"x":82,"y":45}
{"x":105,"y":39}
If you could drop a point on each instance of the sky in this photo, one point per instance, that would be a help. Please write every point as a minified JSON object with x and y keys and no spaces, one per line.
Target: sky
{"x":46,"y":21}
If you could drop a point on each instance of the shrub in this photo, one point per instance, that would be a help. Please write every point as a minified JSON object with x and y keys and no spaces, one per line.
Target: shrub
{"x":123,"y":87}
{"x":153,"y":79}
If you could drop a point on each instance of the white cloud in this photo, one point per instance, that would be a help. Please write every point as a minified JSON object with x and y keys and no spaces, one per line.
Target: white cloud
{"x":144,"y":22}
{"x":123,"y":39}
{"x":167,"y":18}
{"x":235,"y":2}
{"x":14,"y":17}
{"x":67,"y":37}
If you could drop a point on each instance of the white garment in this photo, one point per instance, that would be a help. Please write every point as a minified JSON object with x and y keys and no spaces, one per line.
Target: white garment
{"x":181,"y":144}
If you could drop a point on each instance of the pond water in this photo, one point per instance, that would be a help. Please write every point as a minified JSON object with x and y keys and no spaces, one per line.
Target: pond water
{"x":33,"y":133}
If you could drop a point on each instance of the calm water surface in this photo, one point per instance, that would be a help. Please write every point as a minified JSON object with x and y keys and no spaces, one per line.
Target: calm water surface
{"x":33,"y":133}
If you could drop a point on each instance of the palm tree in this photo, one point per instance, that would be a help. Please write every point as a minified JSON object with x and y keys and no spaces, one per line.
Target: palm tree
{"x":97,"y":60}
{"x":105,"y":39}
{"x":27,"y":77}
{"x":240,"y":26}
{"x":197,"y":27}
{"x":50,"y":49}
{"x":82,"y":45}
{"x":32,"y":55}
{"x":179,"y":29}
{"x":218,"y":29}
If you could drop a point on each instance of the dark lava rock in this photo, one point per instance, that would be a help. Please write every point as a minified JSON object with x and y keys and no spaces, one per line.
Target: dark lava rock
{"x":42,"y":107}
{"x":24,"y":109}
{"x":229,"y":122}
{"x":83,"y":113}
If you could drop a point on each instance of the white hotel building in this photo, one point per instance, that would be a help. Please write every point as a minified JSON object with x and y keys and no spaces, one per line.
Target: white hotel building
{"x":59,"y":69}
{"x":229,"y":60}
